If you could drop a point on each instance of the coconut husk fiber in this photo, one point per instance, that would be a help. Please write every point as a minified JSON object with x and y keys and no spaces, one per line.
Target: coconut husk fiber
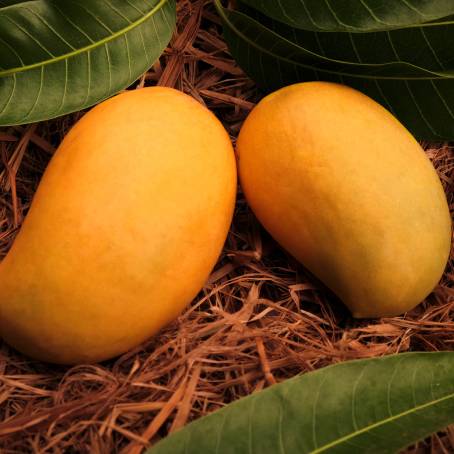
{"x":261,"y":318}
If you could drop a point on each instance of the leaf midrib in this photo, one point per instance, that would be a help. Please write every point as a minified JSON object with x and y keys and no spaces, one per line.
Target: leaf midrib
{"x":380,"y":423}
{"x":88,"y":48}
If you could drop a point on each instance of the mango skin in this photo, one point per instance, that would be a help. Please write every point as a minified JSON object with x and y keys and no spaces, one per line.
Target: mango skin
{"x":346,"y":189}
{"x":125,"y":227}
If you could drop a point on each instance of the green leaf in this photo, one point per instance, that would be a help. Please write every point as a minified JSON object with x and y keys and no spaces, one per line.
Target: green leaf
{"x":4,"y":3}
{"x":415,"y":84}
{"x":422,"y":46}
{"x":376,"y":405}
{"x":353,"y":15}
{"x":348,"y":54}
{"x":58,"y":57}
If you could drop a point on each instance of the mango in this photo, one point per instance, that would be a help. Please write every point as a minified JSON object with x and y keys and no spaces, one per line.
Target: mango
{"x":124,"y":229}
{"x":344,"y":187}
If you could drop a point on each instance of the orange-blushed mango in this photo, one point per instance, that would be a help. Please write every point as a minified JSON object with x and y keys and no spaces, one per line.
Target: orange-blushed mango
{"x":344,"y":187}
{"x":125,"y":227}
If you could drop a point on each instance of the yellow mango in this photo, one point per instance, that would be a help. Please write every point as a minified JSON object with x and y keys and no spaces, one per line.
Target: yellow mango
{"x":346,"y":189}
{"x":125,"y":227}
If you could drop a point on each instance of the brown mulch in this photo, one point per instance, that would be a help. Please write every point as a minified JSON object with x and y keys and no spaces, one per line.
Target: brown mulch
{"x":260,"y":319}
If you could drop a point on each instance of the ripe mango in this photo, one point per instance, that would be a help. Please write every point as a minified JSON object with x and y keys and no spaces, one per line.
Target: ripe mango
{"x":125,"y":227}
{"x":345,"y":188}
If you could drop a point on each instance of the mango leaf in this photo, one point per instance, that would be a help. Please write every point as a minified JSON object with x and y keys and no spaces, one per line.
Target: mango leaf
{"x":4,"y":3}
{"x":345,"y":54}
{"x":58,"y":57}
{"x":353,"y":15}
{"x":424,"y":46}
{"x":376,"y":405}
{"x":421,"y":96}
